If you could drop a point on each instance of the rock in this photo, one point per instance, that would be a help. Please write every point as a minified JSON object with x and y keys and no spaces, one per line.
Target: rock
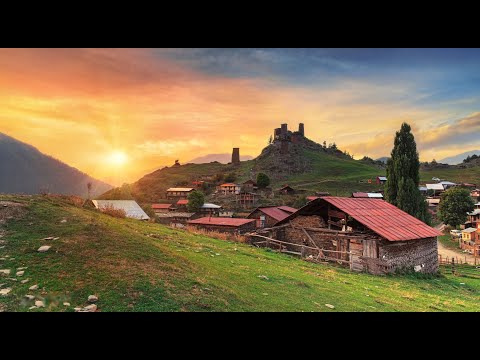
{"x":5,"y":271}
{"x":20,"y":273}
{"x":1,"y":285}
{"x":43,"y":248}
{"x":330,"y":306}
{"x":263,"y":277}
{"x":33,"y":287}
{"x":25,"y":281}
{"x":39,"y":304}
{"x":63,"y":221}
{"x":462,"y":283}
{"x":3,"y":258}
{"x":56,"y":238}
{"x":12,"y":279}
{"x":5,"y":291}
{"x":22,"y":268}
{"x":32,"y":307}
{"x":92,"y":299}
{"x":77,"y":309}
{"x":48,"y":238}
{"x":90,"y":308}
{"x":66,"y":304}
{"x":30,"y":297}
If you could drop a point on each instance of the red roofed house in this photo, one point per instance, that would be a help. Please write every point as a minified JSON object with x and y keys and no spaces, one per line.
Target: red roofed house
{"x":311,"y":198}
{"x":269,"y":215}
{"x":221,"y":224}
{"x":229,"y":188}
{"x":162,"y":208}
{"x":286,"y":190}
{"x":370,"y":235}
{"x":182,"y":204}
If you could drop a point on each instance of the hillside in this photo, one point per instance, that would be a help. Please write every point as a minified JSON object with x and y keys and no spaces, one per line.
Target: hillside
{"x":27,"y":170}
{"x":307,"y":165}
{"x":457,"y":159}
{"x":136,"y":266}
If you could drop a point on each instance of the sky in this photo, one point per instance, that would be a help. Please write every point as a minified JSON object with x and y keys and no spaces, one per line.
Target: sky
{"x":117,"y":114}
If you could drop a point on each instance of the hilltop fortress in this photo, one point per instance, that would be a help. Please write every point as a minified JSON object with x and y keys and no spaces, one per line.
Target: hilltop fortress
{"x":285,"y":136}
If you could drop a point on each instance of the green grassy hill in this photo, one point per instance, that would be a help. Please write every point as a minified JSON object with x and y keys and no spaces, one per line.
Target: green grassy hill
{"x":136,"y":266}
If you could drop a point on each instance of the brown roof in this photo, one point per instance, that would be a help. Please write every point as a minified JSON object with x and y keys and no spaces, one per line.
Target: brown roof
{"x":220,"y":221}
{"x":161,"y":206}
{"x":276,"y":212}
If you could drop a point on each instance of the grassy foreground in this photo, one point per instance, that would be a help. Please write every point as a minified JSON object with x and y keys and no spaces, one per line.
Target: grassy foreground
{"x":135,"y":266}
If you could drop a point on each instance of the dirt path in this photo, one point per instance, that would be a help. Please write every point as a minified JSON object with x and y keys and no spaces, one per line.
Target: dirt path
{"x":446,"y":252}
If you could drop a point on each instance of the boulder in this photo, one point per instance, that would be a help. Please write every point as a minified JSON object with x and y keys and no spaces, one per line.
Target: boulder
{"x":39,"y":304}
{"x":66,"y":304}
{"x":5,"y":271}
{"x":20,"y":273}
{"x":5,"y":291}
{"x":43,"y":248}
{"x":92,"y":299}
{"x":330,"y":306}
{"x":25,"y":281}
{"x":33,"y":287}
{"x":30,"y":297}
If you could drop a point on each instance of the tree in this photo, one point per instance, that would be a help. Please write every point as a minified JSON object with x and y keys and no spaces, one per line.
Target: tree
{"x":403,"y":178}
{"x":195,"y":201}
{"x":454,"y":205}
{"x":230,"y":177}
{"x":270,"y":139}
{"x":299,"y":202}
{"x":262,"y":180}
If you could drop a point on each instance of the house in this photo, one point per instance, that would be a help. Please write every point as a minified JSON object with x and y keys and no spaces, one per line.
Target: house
{"x":433,"y":202}
{"x":367,"y":195}
{"x":475,"y":194}
{"x":182,"y":204}
{"x":163,"y":208}
{"x":177,"y":219}
{"x":436,"y":188}
{"x":249,"y":186}
{"x":131,"y":208}
{"x":198,"y":184}
{"x":246,"y":199}
{"x":286,"y":190}
{"x":447,"y":184}
{"x":177,"y":193}
{"x":473,"y":218}
{"x":267,"y":216}
{"x":381,"y":180}
{"x":423,"y":190}
{"x":221,"y":224}
{"x":229,"y":189}
{"x":209,"y":209}
{"x":470,"y":241}
{"x":369,"y":235}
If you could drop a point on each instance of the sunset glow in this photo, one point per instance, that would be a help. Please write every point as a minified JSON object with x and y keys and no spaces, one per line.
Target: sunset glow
{"x":167,"y":104}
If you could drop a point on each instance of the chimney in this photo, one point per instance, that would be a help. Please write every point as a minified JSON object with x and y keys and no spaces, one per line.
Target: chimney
{"x":301,"y":129}
{"x":236,"y":156}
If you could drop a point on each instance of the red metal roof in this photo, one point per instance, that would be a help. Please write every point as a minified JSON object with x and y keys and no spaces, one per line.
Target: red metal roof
{"x":276,"y":212}
{"x":220,"y":221}
{"x":287,"y":209}
{"x":360,"y":195}
{"x":161,"y":206}
{"x":310,"y":198}
{"x":383,"y":218}
{"x":182,"y":202}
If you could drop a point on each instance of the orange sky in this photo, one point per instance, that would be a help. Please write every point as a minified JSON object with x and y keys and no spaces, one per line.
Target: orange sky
{"x":80,"y":105}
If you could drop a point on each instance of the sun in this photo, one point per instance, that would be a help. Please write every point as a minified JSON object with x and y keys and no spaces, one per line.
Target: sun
{"x":118,"y":158}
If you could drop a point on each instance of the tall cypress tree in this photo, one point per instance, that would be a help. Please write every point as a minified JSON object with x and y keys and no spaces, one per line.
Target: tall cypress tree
{"x":403,"y":176}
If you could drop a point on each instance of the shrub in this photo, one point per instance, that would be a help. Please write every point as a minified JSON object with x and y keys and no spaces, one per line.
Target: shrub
{"x":110,"y":210}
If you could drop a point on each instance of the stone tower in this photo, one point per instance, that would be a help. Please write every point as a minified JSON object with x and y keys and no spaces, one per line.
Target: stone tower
{"x":284,"y":130}
{"x":236,"y":156}
{"x":301,"y":129}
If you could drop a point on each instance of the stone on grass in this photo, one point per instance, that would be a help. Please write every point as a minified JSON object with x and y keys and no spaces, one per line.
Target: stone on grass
{"x":92,"y":299}
{"x":1,"y":285}
{"x":25,"y":281}
{"x":43,"y":248}
{"x":66,"y":304}
{"x":33,"y":287}
{"x":32,"y":307}
{"x":20,"y":273}
{"x":330,"y":306}
{"x":5,"y":291}
{"x":22,"y":268}
{"x":5,"y":271}
{"x":30,"y":297}
{"x":64,"y":221}
{"x":263,"y":277}
{"x":48,"y":238}
{"x":39,"y":303}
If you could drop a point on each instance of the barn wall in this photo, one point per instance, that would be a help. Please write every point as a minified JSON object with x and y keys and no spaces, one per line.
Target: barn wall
{"x":269,"y":221}
{"x":401,"y":255}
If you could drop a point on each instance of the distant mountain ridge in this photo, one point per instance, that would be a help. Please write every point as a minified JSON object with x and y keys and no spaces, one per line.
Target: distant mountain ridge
{"x":24,"y":169}
{"x":221,"y":158}
{"x":458,"y":159}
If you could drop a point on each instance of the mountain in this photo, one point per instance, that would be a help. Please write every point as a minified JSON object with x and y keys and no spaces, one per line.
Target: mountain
{"x":221,"y":158}
{"x":458,"y":159}
{"x":24,"y":169}
{"x":383,"y":159}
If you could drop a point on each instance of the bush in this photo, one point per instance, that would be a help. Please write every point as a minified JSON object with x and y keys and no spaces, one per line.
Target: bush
{"x":230,"y":177}
{"x":262,"y":180}
{"x":195,"y":200}
{"x":117,"y":213}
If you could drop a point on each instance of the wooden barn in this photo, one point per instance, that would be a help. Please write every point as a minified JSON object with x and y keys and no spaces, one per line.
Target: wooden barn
{"x":365,"y":234}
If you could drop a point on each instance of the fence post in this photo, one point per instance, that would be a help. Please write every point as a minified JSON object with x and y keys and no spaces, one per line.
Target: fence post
{"x":453,"y":266}
{"x":268,"y":243}
{"x":302,"y":254}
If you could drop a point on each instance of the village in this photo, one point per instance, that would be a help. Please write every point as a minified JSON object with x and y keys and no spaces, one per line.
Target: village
{"x":362,"y":232}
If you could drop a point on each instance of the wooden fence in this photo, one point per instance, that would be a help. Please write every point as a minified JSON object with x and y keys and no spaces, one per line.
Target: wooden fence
{"x":458,"y":259}
{"x":317,"y":256}
{"x":456,"y":267}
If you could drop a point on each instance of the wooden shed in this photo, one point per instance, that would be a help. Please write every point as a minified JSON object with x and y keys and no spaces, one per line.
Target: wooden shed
{"x":219,"y":224}
{"x":268,"y":216}
{"x":365,"y":234}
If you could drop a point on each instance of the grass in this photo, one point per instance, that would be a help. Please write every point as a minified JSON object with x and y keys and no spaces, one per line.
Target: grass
{"x":138,"y":266}
{"x":466,"y":175}
{"x":447,"y":241}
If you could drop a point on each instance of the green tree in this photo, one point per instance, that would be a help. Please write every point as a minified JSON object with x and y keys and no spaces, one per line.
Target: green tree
{"x":195,"y":200}
{"x":454,"y":205}
{"x":230,"y":177}
{"x":403,"y":178}
{"x":263,"y":180}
